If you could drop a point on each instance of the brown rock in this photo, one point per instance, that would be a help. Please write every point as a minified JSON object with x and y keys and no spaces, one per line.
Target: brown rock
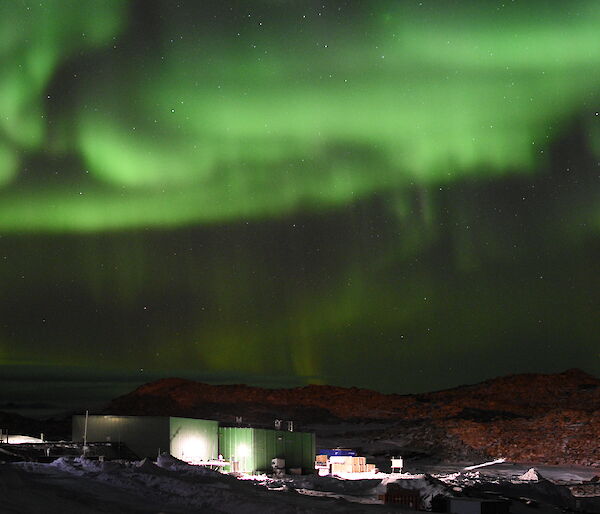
{"x":550,"y":419}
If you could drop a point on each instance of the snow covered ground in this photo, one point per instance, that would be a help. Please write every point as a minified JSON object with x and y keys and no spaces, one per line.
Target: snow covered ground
{"x":80,"y":486}
{"x":512,"y":471}
{"x":72,"y":485}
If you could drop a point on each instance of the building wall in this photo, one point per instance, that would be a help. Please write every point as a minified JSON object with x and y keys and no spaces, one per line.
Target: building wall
{"x":254,"y":448}
{"x":144,"y":435}
{"x":194,"y":440}
{"x":237,"y":445}
{"x":309,"y":451}
{"x":267,"y":446}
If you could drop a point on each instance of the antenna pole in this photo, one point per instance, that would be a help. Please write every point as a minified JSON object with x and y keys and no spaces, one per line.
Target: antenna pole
{"x":87,"y":414}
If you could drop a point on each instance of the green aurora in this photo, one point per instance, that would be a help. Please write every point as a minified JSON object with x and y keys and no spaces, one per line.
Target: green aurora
{"x":201,"y":127}
{"x":287,"y":192}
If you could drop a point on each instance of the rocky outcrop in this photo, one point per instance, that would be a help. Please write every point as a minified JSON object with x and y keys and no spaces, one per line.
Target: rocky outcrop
{"x":177,"y":396}
{"x":544,"y":418}
{"x":562,"y":436}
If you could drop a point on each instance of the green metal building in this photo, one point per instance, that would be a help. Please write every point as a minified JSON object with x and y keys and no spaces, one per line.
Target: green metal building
{"x":188,"y":439}
{"x":252,"y":449}
{"x":249,"y":450}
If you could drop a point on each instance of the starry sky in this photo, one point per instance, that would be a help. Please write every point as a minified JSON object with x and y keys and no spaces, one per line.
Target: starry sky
{"x":401,"y":195}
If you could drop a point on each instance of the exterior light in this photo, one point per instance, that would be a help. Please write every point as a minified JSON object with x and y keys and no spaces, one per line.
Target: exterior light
{"x":193,"y":449}
{"x":243,"y":450}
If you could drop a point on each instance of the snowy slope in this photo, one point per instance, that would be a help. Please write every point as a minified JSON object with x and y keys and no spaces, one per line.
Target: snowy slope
{"x":81,"y":486}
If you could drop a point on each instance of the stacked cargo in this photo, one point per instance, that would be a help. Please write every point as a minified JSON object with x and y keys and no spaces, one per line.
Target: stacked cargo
{"x":350,"y":464}
{"x":322,"y":464}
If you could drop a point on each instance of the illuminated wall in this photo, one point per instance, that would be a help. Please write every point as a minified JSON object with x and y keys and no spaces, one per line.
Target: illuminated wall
{"x":194,"y":440}
{"x":254,"y":448}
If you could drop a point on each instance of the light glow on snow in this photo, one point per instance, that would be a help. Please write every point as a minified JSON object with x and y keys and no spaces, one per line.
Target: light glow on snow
{"x":20,"y":439}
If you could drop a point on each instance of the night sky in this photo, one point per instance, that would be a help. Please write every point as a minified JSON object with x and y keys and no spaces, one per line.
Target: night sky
{"x":398,"y":195}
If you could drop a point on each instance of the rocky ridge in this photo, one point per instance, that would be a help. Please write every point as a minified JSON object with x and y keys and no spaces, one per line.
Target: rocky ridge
{"x":543,"y":418}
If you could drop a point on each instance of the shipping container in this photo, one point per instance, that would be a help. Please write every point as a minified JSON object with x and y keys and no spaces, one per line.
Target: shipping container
{"x":188,"y":439}
{"x":251,"y":450}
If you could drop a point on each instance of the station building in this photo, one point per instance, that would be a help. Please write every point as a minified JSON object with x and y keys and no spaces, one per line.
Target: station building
{"x":248,"y":450}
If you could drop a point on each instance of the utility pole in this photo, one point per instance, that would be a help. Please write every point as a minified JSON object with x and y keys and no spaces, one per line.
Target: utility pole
{"x":87,"y":414}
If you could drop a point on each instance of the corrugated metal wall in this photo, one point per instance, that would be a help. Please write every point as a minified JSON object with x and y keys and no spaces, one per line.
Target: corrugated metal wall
{"x":254,"y":448}
{"x":309,"y":452}
{"x":194,"y":440}
{"x":237,"y":444}
{"x":299,"y":450}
